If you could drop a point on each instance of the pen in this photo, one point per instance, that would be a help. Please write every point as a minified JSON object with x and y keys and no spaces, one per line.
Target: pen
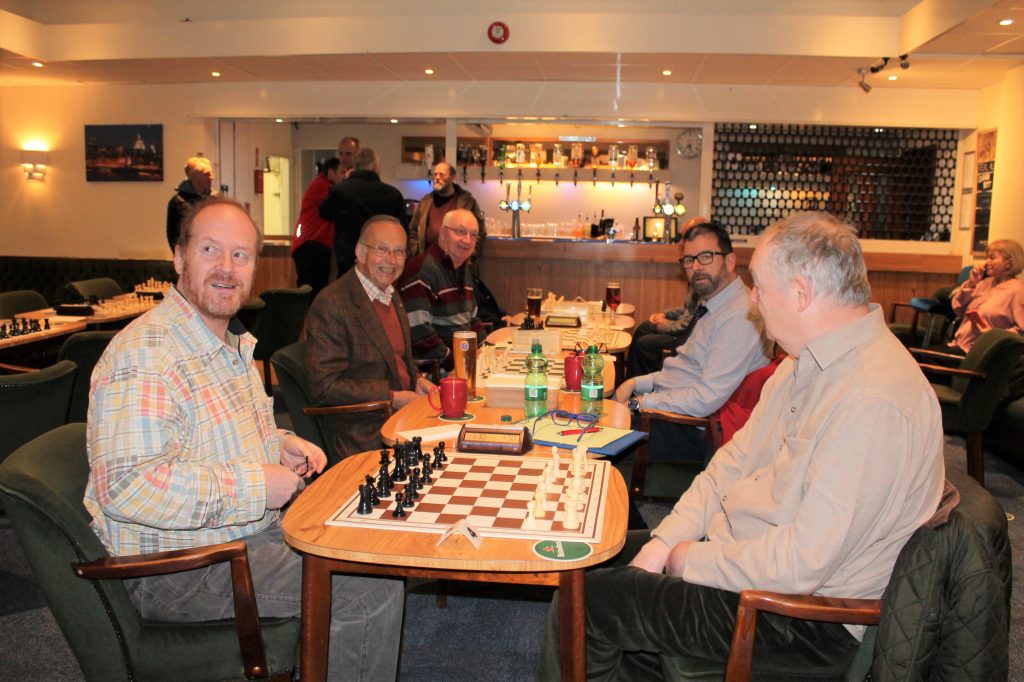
{"x":573,"y":432}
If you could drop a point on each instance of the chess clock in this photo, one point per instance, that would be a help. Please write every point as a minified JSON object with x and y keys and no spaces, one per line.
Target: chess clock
{"x":563,"y":321}
{"x":494,"y":440}
{"x":688,"y":144}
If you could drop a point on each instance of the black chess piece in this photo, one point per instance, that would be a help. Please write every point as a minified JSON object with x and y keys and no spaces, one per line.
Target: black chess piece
{"x":384,"y":479}
{"x":417,"y":446}
{"x":413,"y":489}
{"x":400,"y":472}
{"x":427,"y":471}
{"x":383,"y":485}
{"x":407,"y":501}
{"x":374,"y":499}
{"x":3,"y":331}
{"x":444,"y":457}
{"x":399,"y":511}
{"x":437,"y":463}
{"x":47,"y":325}
{"x":384,"y":458}
{"x":365,"y":506}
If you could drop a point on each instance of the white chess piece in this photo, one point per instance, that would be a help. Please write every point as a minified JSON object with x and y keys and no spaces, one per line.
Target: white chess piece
{"x":571,"y":520}
{"x":549,"y":473}
{"x":538,"y":502}
{"x":530,"y":522}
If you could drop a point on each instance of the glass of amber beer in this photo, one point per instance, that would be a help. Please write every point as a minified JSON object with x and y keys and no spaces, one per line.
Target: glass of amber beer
{"x":464,"y":349}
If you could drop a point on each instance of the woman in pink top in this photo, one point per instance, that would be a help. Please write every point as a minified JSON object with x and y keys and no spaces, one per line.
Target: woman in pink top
{"x":992,"y":297}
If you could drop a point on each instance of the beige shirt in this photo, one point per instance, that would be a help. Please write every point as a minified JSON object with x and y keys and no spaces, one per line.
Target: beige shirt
{"x":840,"y":462}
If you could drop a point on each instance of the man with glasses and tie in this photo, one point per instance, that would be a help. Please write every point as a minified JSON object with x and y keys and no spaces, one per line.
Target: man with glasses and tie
{"x":437,"y":289}
{"x":720,"y":345}
{"x":358,"y":345}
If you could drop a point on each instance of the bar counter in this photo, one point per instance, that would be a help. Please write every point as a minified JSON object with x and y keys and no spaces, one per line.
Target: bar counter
{"x":652,"y":279}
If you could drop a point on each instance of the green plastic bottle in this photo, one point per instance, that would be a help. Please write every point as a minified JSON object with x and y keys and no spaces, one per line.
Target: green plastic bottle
{"x":592,"y":384}
{"x":535,"y":393}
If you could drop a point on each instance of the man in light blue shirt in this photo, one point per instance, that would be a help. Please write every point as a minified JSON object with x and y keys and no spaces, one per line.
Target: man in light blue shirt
{"x":722,"y":344}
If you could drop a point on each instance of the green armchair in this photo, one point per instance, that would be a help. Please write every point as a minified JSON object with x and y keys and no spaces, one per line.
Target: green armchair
{"x":976,"y":387}
{"x":42,"y":486}
{"x":280,"y":323}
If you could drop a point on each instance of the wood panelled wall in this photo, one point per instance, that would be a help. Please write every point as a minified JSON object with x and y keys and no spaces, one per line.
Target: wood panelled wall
{"x":650,"y":274}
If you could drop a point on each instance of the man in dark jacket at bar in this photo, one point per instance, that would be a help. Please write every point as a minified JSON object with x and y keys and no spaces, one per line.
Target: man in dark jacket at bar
{"x":354,"y":201}
{"x":197,"y":185}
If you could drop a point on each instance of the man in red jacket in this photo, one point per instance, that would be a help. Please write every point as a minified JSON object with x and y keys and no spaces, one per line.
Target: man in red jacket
{"x":314,"y":237}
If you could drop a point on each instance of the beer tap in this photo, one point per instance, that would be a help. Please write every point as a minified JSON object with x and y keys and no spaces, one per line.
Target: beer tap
{"x":516,"y":205}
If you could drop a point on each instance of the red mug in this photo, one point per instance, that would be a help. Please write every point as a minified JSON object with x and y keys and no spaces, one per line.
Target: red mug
{"x":573,"y":372}
{"x":454,"y":392}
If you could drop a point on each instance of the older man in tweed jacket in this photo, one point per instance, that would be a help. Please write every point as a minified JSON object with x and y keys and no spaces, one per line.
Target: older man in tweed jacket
{"x":358,"y":346}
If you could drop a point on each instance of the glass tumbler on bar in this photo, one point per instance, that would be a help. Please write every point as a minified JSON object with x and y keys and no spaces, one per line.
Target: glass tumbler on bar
{"x":465,"y":360}
{"x":533,"y":296}
{"x":613,"y":296}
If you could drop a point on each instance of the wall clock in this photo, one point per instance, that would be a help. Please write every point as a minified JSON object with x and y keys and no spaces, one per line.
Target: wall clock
{"x":688,"y":144}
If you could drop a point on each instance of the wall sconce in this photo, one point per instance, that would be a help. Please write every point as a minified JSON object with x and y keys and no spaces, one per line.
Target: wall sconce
{"x":34,"y":163}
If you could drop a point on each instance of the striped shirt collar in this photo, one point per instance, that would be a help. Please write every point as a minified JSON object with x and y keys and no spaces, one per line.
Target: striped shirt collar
{"x":373,"y":291}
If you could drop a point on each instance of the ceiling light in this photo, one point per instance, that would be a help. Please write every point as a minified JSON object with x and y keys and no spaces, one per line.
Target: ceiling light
{"x":38,"y":65}
{"x":752,"y":126}
{"x":215,"y":74}
{"x":429,"y":72}
{"x":394,"y":120}
{"x":622,"y":125}
{"x":278,"y":120}
{"x":893,"y":77}
{"x":904,"y":61}
{"x":879,"y":65}
{"x":1006,"y":22}
{"x":666,"y":72}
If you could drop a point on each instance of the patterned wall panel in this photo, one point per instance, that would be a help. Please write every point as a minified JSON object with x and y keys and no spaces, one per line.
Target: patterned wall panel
{"x":891,"y":183}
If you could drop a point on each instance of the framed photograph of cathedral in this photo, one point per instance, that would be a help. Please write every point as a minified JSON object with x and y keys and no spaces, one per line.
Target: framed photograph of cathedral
{"x":124,"y":153}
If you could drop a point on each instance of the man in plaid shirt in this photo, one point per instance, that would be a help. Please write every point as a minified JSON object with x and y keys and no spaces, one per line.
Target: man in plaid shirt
{"x":184,"y":452}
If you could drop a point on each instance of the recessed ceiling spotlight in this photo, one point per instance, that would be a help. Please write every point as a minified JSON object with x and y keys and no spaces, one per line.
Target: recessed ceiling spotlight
{"x":622,"y":125}
{"x":278,"y":120}
{"x":38,"y":65}
{"x":666,"y":72}
{"x":394,"y":120}
{"x":752,"y":126}
{"x":1006,"y":22}
{"x":215,"y":74}
{"x":894,"y":77}
{"x":429,"y":72}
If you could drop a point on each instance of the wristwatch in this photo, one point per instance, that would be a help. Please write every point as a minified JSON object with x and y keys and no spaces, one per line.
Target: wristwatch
{"x":633,"y":404}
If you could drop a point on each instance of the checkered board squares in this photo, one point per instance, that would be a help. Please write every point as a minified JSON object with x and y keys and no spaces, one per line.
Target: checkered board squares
{"x":517,"y":366}
{"x":491,"y":493}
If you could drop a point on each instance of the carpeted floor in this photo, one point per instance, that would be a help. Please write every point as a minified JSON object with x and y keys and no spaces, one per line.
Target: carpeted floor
{"x":487,"y":632}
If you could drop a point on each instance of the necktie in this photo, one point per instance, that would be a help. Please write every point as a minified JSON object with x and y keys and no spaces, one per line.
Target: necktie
{"x":688,"y":329}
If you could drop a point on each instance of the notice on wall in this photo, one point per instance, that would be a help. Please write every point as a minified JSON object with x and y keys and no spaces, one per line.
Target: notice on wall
{"x":983,"y":189}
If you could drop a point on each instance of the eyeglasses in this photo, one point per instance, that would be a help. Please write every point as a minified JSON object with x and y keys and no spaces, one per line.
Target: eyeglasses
{"x":704,"y":258}
{"x":398,"y":252}
{"x":462,"y":232}
{"x":303,"y":467}
{"x":564,"y":418}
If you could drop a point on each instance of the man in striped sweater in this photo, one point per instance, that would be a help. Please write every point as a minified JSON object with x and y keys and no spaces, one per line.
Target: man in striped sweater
{"x":437,"y":289}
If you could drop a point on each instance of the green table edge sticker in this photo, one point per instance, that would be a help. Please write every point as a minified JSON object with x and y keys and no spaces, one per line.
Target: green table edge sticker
{"x":560,"y":550}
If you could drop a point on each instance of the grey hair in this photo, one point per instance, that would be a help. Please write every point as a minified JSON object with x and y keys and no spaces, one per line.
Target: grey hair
{"x":365,"y":159}
{"x":825,"y":251}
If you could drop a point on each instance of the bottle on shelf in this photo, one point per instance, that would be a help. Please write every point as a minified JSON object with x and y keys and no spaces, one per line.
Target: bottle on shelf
{"x":638,"y":234}
{"x":592,"y":384}
{"x":535,"y":392}
{"x":577,"y":231}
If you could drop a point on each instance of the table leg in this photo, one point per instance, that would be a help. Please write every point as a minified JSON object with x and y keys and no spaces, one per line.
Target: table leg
{"x":572,"y":635}
{"x":316,"y":618}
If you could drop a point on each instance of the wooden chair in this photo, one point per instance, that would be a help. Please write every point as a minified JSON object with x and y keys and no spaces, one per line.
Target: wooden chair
{"x":977,"y":386}
{"x":290,"y":365}
{"x":944,"y":615}
{"x":719,"y":425}
{"x":42,"y":486}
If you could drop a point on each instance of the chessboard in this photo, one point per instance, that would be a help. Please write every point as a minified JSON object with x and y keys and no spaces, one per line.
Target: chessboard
{"x":516,"y":365}
{"x":493,"y":494}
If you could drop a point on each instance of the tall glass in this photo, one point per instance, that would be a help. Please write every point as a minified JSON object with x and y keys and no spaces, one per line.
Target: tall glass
{"x":465,"y":360}
{"x":613,"y":296}
{"x":533,"y":297}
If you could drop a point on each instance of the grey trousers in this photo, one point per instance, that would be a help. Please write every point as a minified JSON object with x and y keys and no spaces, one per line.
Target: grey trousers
{"x":633,"y":618}
{"x":366,"y":613}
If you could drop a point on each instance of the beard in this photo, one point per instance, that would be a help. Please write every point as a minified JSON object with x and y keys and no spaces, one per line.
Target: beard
{"x":704,"y":284}
{"x":210,"y":300}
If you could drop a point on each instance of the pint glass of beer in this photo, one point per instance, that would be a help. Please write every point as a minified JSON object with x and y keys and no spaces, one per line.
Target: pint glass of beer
{"x":533,"y":296}
{"x":464,"y":349}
